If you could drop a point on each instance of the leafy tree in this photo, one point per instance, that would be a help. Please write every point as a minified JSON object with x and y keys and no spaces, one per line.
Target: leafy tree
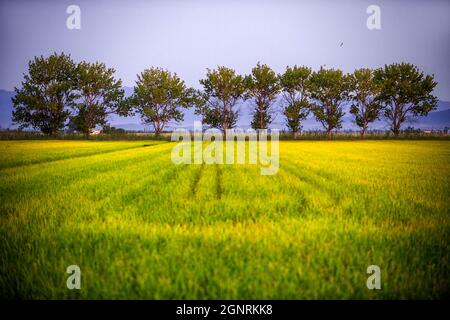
{"x":100,"y":95}
{"x":223,"y":88}
{"x":112,"y":130}
{"x":159,"y":96}
{"x":329,"y":91}
{"x":295,"y":87}
{"x":46,"y":93}
{"x":262,"y":86}
{"x":364,"y":94}
{"x":405,"y":91}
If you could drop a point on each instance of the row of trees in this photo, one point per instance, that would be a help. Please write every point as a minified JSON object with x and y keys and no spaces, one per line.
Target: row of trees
{"x":57,"y":92}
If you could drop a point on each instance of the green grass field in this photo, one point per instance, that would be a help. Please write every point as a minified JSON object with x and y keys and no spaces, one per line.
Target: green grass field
{"x":140,"y":227}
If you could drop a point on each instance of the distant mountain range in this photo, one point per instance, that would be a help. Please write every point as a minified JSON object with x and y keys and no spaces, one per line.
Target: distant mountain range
{"x":5,"y":109}
{"x":438,"y":119}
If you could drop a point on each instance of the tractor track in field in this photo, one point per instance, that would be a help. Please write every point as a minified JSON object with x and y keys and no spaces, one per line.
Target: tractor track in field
{"x":77,"y":156}
{"x":77,"y":175}
{"x":312,"y":181}
{"x":299,"y":193}
{"x":218,"y":182}
{"x":169,"y":176}
{"x":196,"y":181}
{"x":323,"y":176}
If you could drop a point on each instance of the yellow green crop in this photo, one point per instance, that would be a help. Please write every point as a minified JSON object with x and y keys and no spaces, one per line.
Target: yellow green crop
{"x":140,"y":227}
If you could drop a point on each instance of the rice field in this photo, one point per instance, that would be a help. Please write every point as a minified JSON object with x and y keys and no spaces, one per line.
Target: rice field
{"x":140,"y":227}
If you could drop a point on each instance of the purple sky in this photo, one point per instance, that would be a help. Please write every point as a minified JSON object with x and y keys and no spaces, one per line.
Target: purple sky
{"x":189,"y":36}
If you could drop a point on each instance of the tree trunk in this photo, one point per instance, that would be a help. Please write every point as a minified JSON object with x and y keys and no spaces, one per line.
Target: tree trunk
{"x":87,"y":130}
{"x":329,"y":134}
{"x":396,"y":128}
{"x":227,"y":109}
{"x":261,"y":126}
{"x":87,"y":119}
{"x":157,"y":128}
{"x":396,"y":120}
{"x":225,"y":124}
{"x":363,"y":132}
{"x":295,"y":135}
{"x":52,"y":133}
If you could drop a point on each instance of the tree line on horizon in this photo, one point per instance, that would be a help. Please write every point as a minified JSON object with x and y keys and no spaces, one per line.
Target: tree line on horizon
{"x":58,"y":93}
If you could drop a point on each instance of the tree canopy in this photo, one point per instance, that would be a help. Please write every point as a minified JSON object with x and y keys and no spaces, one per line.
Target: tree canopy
{"x":262,"y":86}
{"x":223,"y":88}
{"x":159,"y":97}
{"x":404,"y":91}
{"x":47,"y":91}
{"x":57,"y":93}
{"x":295,"y":86}
{"x":99,"y":94}
{"x":364,"y":96}
{"x":329,"y":91}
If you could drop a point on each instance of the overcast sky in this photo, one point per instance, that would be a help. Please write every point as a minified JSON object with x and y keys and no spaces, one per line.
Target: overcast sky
{"x":189,"y":36}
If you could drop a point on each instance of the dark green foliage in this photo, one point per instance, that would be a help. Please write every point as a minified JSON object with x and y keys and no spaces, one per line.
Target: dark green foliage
{"x":223,"y":88}
{"x":107,"y":129}
{"x":159,"y":97}
{"x":364,"y":97}
{"x":56,"y":90}
{"x":295,"y":86}
{"x":329,"y":91}
{"x":262,"y":87}
{"x":46,"y":93}
{"x":405,"y":91}
{"x":100,"y":94}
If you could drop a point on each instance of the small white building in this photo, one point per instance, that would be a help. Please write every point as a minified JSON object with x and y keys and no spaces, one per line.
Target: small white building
{"x":95,"y":132}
